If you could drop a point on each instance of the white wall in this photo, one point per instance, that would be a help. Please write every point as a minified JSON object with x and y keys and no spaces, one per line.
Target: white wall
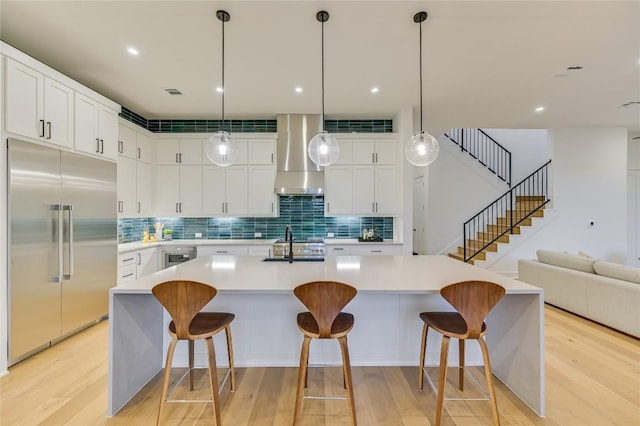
{"x":3,"y":237}
{"x":589,"y":179}
{"x":403,"y":226}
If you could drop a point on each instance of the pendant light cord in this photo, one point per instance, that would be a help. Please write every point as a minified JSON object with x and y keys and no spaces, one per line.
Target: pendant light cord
{"x":421,"y":131}
{"x":223,"y":74}
{"x":322,"y":48}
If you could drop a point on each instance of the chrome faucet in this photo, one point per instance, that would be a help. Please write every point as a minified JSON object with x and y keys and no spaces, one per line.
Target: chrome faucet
{"x":288,"y":236}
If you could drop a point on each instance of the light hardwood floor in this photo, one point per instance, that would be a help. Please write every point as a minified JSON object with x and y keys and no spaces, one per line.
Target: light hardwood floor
{"x":593,"y":378}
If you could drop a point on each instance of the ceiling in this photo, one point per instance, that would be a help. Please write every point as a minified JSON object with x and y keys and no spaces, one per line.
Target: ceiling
{"x":486,"y":64}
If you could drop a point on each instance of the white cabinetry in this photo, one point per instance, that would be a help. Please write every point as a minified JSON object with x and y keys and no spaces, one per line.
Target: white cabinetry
{"x":364,"y":181}
{"x":137,"y":264}
{"x":38,"y":107}
{"x":262,"y":151}
{"x":375,"y":250}
{"x":179,"y":177}
{"x":335,"y":250}
{"x":135,"y":173}
{"x":225,"y":190}
{"x":96,"y":127}
{"x":235,"y":250}
{"x":262,"y":199}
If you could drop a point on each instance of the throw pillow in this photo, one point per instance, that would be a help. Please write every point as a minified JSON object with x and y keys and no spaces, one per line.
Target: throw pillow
{"x":615,"y":270}
{"x":565,"y":260}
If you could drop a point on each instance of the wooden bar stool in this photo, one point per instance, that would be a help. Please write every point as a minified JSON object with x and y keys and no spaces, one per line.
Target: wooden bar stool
{"x":184,"y":300}
{"x":325,"y":300}
{"x":472,"y":300}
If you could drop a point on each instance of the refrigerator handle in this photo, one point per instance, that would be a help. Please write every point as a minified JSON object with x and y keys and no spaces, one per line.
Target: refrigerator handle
{"x":69,"y":208}
{"x":58,"y":278}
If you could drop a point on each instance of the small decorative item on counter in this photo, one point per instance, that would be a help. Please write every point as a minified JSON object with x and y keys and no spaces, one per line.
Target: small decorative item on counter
{"x":168,"y":234}
{"x":158,"y":226}
{"x":365,"y":233}
{"x":145,"y":236}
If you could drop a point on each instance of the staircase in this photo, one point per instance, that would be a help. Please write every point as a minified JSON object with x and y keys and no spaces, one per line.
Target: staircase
{"x":504,"y":217}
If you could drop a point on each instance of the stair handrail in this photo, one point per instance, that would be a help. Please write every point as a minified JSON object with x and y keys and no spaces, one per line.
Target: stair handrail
{"x":535,"y":185}
{"x":486,"y":150}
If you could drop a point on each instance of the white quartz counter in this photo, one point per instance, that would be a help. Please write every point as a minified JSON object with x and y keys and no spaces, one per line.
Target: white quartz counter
{"x":406,"y":274}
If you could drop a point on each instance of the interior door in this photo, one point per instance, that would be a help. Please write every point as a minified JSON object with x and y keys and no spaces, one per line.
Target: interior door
{"x":34,"y":288}
{"x":90,"y":239}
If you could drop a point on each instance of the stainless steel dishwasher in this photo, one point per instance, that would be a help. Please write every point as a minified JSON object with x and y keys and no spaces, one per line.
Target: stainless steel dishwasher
{"x":175,"y":255}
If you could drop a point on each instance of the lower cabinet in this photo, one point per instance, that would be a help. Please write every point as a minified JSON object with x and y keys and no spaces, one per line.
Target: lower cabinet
{"x":137,"y":264}
{"x":222,"y":250}
{"x":364,"y":250}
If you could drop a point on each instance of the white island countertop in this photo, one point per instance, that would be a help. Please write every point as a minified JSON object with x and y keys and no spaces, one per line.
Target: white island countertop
{"x":404,"y":274}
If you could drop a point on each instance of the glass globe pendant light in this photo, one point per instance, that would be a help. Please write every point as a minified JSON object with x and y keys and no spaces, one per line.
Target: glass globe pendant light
{"x":323,"y":148}
{"x":423,"y":148}
{"x":220,"y":148}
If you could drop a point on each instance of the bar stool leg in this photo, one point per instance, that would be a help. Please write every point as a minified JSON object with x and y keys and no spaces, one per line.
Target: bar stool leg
{"x":444,"y":355}
{"x":346,"y":366}
{"x":461,"y":364}
{"x":213,"y":376}
{"x":165,"y":380}
{"x":191,"y":343}
{"x":302,"y":378}
{"x":232,"y":369}
{"x":423,"y":350}
{"x":489,"y":375}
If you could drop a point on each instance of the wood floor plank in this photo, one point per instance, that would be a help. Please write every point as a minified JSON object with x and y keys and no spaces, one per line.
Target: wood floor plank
{"x":592,"y":376}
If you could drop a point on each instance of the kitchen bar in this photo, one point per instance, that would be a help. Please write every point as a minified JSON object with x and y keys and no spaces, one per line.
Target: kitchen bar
{"x":392,"y":290}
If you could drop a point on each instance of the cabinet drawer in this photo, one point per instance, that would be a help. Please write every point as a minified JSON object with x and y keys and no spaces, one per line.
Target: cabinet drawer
{"x":127,"y":259}
{"x":376,"y":250}
{"x":338,"y":251}
{"x":127,"y":273}
{"x":221,"y":250}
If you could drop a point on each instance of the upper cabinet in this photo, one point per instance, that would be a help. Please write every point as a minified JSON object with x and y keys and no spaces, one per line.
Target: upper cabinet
{"x":47,"y":107}
{"x":375,"y":151}
{"x":38,"y":107}
{"x":262,"y":151}
{"x":179,"y":151}
{"x":135,"y":172}
{"x":96,"y":128}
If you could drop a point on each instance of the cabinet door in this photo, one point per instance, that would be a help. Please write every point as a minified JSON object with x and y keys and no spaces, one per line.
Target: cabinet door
{"x":386,"y":151}
{"x":241,"y":153}
{"x":126,"y":190}
{"x":386,"y":190}
{"x":262,"y":198}
{"x":338,"y":199}
{"x":86,"y":125}
{"x":108,"y":131}
{"x":213,"y":190}
{"x":167,"y":190}
{"x":363,"y":190}
{"x":144,"y":189}
{"x":127,"y":141}
{"x":24,"y":92}
{"x":58,"y":113}
{"x":144,"y":148}
{"x":147,"y":262}
{"x":190,"y":151}
{"x":190,"y":190}
{"x":262,"y":151}
{"x":346,"y":152}
{"x":363,"y":151}
{"x":236,"y":191}
{"x":168,"y":151}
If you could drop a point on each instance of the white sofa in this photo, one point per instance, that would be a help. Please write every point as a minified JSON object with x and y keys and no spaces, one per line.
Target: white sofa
{"x":602,"y":291}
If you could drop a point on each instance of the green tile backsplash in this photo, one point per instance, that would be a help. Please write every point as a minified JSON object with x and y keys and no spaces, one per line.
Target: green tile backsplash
{"x":305,"y":215}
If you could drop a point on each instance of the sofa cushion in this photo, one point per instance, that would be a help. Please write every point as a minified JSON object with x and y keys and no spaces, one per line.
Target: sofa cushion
{"x":615,"y":270}
{"x":566,"y":260}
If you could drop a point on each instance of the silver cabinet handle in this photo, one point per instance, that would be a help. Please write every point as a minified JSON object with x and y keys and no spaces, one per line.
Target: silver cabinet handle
{"x":128,"y":259}
{"x":49,"y":130}
{"x":69,"y":208}
{"x":271,"y":207}
{"x":101,"y":146}
{"x":177,"y":160}
{"x":97,"y":145}
{"x":139,"y":153}
{"x":376,"y":207}
{"x":180,"y":207}
{"x":222,"y":251}
{"x":120,"y":147}
{"x":338,"y":249}
{"x":373,"y":157}
{"x":272,"y":158}
{"x":138,"y":206}
{"x":376,"y":157}
{"x":373,"y":207}
{"x":376,"y":251}
{"x":226,"y":207}
{"x":180,"y":156}
{"x":222,"y":207}
{"x":42,"y":128}
{"x":177,"y":210}
{"x":128,"y":275}
{"x":139,"y":259}
{"x":120,"y":206}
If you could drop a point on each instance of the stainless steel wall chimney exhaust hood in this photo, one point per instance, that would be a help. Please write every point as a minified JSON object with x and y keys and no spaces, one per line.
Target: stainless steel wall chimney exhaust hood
{"x":296,"y":173}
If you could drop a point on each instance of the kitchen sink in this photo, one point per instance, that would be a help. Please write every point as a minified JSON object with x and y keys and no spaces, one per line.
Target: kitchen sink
{"x":295,"y":259}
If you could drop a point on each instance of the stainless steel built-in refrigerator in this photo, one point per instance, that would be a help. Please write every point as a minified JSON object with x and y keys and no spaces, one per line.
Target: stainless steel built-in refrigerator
{"x":63,"y":244}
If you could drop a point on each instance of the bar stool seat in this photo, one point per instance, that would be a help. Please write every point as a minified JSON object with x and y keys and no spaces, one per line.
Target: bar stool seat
{"x":340,"y":327}
{"x":184,"y":300}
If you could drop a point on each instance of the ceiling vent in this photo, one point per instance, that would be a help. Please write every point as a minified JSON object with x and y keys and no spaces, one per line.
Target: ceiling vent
{"x":173,"y":91}
{"x":629,"y":104}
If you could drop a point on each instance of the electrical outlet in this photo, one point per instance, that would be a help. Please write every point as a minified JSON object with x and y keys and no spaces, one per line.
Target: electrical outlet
{"x":198,"y":234}
{"x":330,"y":234}
{"x":257,"y":234}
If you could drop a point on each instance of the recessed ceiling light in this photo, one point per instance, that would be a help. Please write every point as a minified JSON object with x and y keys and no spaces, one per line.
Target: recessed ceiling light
{"x":540,"y":109}
{"x":219,"y":89}
{"x":374,"y":90}
{"x":132,"y":50}
{"x":298,"y":89}
{"x":172,"y":91}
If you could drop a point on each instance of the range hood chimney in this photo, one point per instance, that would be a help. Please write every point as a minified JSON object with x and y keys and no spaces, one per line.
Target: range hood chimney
{"x":296,"y":173}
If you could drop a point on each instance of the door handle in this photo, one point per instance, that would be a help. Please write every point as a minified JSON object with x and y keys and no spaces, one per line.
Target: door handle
{"x":69,"y":208}
{"x":49,"y":129}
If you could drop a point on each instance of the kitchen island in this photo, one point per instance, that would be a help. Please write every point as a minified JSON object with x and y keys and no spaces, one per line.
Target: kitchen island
{"x":392,"y":290}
